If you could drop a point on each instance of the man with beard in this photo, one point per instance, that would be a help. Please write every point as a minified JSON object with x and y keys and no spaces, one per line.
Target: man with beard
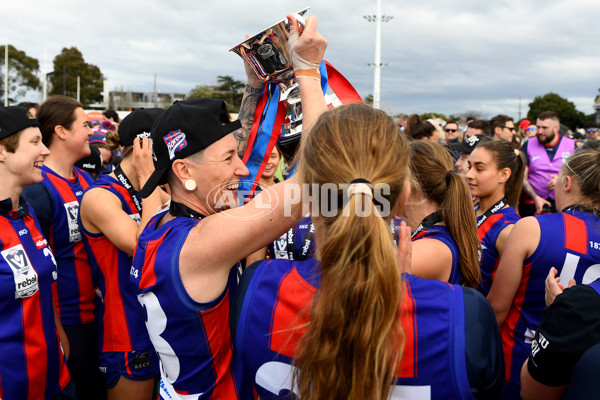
{"x":545,"y":154}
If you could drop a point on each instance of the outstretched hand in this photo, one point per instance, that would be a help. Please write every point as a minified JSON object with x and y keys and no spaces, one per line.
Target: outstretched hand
{"x":404,"y":252}
{"x":554,"y":287}
{"x":142,"y":159}
{"x":306,"y":48}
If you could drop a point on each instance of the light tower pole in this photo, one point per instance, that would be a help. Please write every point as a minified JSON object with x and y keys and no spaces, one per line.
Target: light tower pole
{"x":378,"y":19}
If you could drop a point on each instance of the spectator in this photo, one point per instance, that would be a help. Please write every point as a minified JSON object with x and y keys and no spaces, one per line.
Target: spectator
{"x":544,"y":154}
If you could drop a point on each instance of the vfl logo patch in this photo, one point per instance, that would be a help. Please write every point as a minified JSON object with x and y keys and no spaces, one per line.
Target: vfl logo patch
{"x":535,"y":158}
{"x":72,"y":209}
{"x":25,"y":277}
{"x":175,"y":142}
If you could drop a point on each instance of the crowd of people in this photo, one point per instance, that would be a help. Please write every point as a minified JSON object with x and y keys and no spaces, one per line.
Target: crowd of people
{"x":407,"y":263}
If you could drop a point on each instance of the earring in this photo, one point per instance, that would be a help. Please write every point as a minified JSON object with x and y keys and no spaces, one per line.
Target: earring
{"x":190,"y":185}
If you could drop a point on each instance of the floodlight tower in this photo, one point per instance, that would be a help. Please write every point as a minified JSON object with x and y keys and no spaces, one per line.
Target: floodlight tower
{"x":378,"y":19}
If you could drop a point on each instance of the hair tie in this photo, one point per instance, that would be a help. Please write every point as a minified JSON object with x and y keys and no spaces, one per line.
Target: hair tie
{"x":360,"y":186}
{"x":517,"y":152}
{"x":449,"y":176}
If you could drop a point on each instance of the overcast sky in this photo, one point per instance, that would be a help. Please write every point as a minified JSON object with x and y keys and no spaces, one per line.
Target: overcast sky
{"x":442,"y":56}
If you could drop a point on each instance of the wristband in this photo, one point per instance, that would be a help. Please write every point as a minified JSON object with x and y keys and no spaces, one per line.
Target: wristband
{"x":308,"y":73}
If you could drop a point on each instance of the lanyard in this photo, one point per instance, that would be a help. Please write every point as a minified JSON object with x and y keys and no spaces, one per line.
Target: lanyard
{"x":127,"y":185}
{"x":500,"y":204}
{"x":179,"y":210}
{"x":305,"y":245}
{"x":429,"y":220}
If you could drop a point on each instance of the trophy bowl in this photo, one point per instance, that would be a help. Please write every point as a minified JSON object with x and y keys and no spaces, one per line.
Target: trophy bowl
{"x":267,"y":54}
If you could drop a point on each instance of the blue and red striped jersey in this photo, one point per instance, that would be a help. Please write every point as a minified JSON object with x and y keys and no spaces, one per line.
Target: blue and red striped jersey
{"x":121,"y":321}
{"x":275,"y":309}
{"x":193,"y":340}
{"x":441,"y":233}
{"x":32,"y":364}
{"x":75,"y":303}
{"x":488,"y":233}
{"x":569,"y":242}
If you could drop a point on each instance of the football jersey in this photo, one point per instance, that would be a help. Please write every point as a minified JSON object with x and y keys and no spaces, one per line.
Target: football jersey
{"x":488,"y":233}
{"x":274,"y":316}
{"x":441,"y":233}
{"x":193,"y":340}
{"x":32,"y":364}
{"x":569,"y":242}
{"x":75,"y":303}
{"x":120,"y":317}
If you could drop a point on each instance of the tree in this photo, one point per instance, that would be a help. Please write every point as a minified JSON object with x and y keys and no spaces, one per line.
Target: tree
{"x":368,"y":99}
{"x":22,"y":72}
{"x":231,"y":91}
{"x":202,"y":91}
{"x":68,"y":65}
{"x":565,"y":109}
{"x":433,"y":115}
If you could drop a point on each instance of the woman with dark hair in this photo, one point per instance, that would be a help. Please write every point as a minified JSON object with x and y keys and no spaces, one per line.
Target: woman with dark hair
{"x":348,"y":324}
{"x":32,"y":364}
{"x":418,"y":129}
{"x":113,"y":215}
{"x":66,"y":132}
{"x":441,"y":217}
{"x":568,"y":241}
{"x":495,"y":177}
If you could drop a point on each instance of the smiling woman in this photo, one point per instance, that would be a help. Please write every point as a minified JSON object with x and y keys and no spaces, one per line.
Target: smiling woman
{"x":32,"y":363}
{"x":66,"y":131}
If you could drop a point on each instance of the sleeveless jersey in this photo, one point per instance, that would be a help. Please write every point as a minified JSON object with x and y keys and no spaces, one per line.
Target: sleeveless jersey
{"x":192,"y":339}
{"x":278,"y":299}
{"x":120,"y":316}
{"x":441,"y":233}
{"x":488,"y":233}
{"x":32,"y":364}
{"x":75,"y":304}
{"x":569,"y":242}
{"x":540,"y":165}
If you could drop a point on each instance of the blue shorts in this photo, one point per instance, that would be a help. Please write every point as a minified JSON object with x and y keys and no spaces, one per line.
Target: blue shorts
{"x":137,"y":365}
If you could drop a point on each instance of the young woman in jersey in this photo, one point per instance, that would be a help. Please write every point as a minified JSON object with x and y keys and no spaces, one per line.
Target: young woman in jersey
{"x":186,"y":266}
{"x":441,"y":217}
{"x":495,"y":177}
{"x":347,"y":324}
{"x":32,"y":363}
{"x":112,"y":219}
{"x":568,"y":241}
{"x":66,"y":132}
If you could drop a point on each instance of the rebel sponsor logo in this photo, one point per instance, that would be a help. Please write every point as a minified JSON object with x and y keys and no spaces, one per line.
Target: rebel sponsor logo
{"x":72,"y":209}
{"x":25,"y":277}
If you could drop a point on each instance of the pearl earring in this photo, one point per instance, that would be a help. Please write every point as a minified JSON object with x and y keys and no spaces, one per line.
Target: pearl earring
{"x":190,"y":185}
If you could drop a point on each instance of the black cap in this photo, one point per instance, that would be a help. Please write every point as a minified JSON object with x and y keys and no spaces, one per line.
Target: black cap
{"x":14,"y":119}
{"x":138,"y":124}
{"x":187,"y":127}
{"x":93,"y":162}
{"x":468,"y":145}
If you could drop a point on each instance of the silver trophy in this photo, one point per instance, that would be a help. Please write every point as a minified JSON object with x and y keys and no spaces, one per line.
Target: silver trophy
{"x":267,"y":53}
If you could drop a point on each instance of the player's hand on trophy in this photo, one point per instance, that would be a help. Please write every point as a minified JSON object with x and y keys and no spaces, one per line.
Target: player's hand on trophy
{"x":306,"y":48}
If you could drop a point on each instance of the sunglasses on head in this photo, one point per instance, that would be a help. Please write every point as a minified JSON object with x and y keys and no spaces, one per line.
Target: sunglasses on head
{"x":450,"y":130}
{"x":591,"y":130}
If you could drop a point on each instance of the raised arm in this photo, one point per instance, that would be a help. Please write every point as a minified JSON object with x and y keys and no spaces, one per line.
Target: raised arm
{"x":252,"y":92}
{"x":521,"y":243}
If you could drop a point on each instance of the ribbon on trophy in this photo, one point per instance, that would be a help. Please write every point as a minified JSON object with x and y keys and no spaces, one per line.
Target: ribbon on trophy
{"x":269,"y":118}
